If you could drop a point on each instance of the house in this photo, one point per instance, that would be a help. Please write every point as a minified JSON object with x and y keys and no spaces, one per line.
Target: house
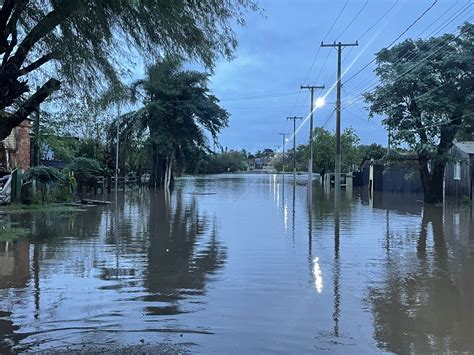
{"x":390,"y":175}
{"x":15,"y":149}
{"x":459,"y":172}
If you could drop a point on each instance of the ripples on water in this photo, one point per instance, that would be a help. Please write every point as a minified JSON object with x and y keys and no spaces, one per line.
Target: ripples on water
{"x":241,"y":263}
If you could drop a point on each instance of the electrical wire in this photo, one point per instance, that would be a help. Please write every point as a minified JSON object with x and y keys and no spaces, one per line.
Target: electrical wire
{"x":352,"y":21}
{"x":378,"y":21}
{"x":395,"y":40}
{"x":460,"y":12}
{"x":419,"y":61}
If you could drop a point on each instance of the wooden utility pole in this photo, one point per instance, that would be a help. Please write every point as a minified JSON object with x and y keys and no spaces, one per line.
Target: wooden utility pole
{"x":311,"y":122}
{"x":283,"y":160}
{"x":339,"y":46}
{"x":294,"y":118}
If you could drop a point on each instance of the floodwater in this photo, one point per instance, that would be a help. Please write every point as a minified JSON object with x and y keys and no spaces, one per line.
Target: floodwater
{"x":239,"y":264}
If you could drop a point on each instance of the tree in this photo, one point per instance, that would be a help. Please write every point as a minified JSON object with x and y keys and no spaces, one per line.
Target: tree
{"x":372,"y":151}
{"x":426,"y":92}
{"x":324,"y":148}
{"x":178,"y":112}
{"x":81,"y":44}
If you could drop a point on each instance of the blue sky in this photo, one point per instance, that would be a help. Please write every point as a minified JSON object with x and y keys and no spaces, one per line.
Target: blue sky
{"x":276,"y":52}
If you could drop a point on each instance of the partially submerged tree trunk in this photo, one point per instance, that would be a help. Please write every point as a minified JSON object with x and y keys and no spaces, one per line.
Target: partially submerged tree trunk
{"x":432,"y":182}
{"x":162,"y":173}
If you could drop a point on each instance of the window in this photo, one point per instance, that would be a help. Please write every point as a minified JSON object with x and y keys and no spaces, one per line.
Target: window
{"x":457,"y":171}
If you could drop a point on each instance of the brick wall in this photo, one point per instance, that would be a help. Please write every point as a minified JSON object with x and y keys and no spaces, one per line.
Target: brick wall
{"x":22,"y":154}
{"x":15,"y":150}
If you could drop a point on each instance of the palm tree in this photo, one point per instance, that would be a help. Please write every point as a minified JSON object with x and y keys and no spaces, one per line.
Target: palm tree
{"x":177,"y":114}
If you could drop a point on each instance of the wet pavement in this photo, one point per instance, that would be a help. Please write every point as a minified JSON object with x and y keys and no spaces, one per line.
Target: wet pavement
{"x":242,"y":263}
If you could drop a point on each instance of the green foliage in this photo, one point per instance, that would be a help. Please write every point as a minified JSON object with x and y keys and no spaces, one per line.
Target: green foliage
{"x":372,"y":151}
{"x":222,"y":163}
{"x":86,"y":171}
{"x":427,"y":104}
{"x":43,"y":174}
{"x":52,"y":185}
{"x":426,"y":93}
{"x":90,"y":45}
{"x":324,"y":150}
{"x":178,"y":111}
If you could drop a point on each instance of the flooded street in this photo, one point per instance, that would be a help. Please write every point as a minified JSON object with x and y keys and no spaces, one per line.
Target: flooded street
{"x":242,"y":263}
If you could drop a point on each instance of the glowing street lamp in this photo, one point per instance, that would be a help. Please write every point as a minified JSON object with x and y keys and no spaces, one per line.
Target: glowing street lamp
{"x":320,"y":102}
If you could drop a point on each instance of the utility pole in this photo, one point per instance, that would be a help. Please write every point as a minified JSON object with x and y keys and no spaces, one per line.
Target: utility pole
{"x":339,"y":46}
{"x":310,"y":161}
{"x":294,"y":118}
{"x":283,"y":160}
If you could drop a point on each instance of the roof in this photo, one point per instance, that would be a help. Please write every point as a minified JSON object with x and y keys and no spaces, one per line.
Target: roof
{"x":466,"y":147}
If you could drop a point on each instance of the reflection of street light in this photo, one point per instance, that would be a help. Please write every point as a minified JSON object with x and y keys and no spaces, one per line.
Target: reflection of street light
{"x":320,"y":102}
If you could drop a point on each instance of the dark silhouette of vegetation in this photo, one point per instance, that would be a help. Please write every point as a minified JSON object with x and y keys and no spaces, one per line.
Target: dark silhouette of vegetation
{"x":427,"y":104}
{"x":178,"y":110}
{"x":80,"y":45}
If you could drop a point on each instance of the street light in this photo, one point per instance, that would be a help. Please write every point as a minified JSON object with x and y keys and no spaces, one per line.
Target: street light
{"x":320,"y":102}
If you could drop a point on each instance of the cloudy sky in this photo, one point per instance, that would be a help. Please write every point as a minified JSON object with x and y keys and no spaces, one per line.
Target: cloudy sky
{"x":281,"y":50}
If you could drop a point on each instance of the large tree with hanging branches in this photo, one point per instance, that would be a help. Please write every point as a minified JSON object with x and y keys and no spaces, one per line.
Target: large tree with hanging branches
{"x":83,"y":44}
{"x":426,"y":92}
{"x":178,"y":114}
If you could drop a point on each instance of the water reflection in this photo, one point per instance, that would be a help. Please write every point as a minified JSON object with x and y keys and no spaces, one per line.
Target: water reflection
{"x":148,"y":255}
{"x":235,"y":260}
{"x":425,"y":305}
{"x":183,"y":253}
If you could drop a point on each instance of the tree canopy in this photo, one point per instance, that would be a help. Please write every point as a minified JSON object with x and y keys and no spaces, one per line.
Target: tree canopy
{"x":426,"y":93}
{"x":178,"y":112}
{"x":80,"y":44}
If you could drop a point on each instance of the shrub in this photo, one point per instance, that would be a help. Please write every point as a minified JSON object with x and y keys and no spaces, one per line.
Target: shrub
{"x":86,"y":172}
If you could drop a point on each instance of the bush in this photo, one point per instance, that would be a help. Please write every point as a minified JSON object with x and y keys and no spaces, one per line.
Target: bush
{"x":44,"y":177}
{"x":52,"y":185}
{"x":86,"y":172}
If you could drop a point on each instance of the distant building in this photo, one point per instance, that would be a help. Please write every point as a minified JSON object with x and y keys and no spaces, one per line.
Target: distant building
{"x":459,"y":172}
{"x":15,"y":149}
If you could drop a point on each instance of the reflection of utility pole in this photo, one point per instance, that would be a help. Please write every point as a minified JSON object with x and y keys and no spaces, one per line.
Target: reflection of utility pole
{"x":294,"y":118}
{"x":337,"y":271}
{"x":310,"y":161}
{"x":283,"y":159}
{"x":337,"y":179}
{"x":117,"y":149}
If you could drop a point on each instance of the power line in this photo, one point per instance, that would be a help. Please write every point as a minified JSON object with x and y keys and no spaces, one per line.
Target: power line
{"x":263,"y":96}
{"x":337,"y":19}
{"x":465,"y":7}
{"x":329,"y":117}
{"x":418,"y":63}
{"x":395,"y":40}
{"x":450,"y":19}
{"x":438,"y":18}
{"x":352,"y":21}
{"x":317,"y":52}
{"x":378,"y":21}
{"x":339,"y":46}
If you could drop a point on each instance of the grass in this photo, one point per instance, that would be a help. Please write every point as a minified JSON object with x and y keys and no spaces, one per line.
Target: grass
{"x":11,"y":233}
{"x":35,"y":208}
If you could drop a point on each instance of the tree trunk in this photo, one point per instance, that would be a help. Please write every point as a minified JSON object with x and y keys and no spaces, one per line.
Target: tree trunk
{"x":432,"y":182}
{"x":162,"y":173}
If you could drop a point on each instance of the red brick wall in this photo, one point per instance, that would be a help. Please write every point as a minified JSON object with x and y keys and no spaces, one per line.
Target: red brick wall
{"x":20,"y":159}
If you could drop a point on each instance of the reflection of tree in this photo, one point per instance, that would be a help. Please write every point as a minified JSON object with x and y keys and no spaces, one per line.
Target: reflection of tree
{"x":7,"y":330}
{"x":426,"y":307}
{"x":180,"y":257}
